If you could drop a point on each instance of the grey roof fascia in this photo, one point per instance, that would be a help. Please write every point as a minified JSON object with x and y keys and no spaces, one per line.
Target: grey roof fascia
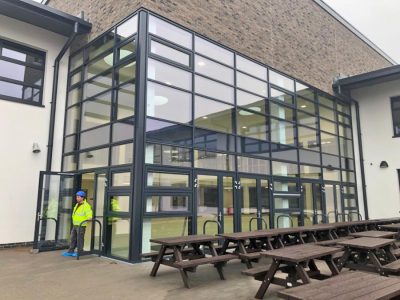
{"x":355,"y":31}
{"x":43,"y":16}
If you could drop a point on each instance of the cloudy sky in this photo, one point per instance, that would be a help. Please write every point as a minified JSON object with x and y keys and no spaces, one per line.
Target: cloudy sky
{"x":378,"y":20}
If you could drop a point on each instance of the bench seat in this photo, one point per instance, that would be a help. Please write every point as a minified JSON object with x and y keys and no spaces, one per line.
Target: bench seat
{"x":396,"y":252}
{"x":202,"y":261}
{"x":393,"y":267}
{"x":252,"y":255}
{"x":153,"y":255}
{"x":257,"y":271}
{"x":334,"y":242}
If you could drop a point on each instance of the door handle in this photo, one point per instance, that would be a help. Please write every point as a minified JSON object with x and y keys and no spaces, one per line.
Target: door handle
{"x":38,"y":216}
{"x":220,"y":216}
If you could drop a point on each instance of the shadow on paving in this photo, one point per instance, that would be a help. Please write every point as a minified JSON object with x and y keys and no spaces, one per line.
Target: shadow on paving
{"x":49,"y":275}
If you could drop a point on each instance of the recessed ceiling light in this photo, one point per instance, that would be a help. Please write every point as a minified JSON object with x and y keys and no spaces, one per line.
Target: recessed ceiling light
{"x":201,"y":63}
{"x":205,"y":117}
{"x":159,"y":100}
{"x":167,"y":82}
{"x":244,"y":127}
{"x":303,"y":106}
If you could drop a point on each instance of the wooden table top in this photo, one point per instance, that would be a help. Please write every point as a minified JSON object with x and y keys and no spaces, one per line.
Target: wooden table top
{"x":374,"y":234}
{"x":181,"y":240}
{"x":346,"y":286}
{"x":391,"y":226}
{"x":367,"y":243}
{"x":300,"y":253}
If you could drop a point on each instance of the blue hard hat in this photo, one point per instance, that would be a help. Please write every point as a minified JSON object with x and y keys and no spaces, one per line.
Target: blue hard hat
{"x":81,"y":194}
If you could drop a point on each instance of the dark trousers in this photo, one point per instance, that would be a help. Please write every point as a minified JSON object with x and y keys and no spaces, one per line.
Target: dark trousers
{"x":77,"y":239}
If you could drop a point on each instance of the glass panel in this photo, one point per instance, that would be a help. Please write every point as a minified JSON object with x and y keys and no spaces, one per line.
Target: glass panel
{"x":327,"y":126}
{"x":70,"y":143}
{"x":123,"y":130}
{"x":160,"y":131}
{"x":169,"y":75}
{"x":305,"y":105}
{"x":97,"y":111}
{"x":330,"y":202}
{"x":119,"y":204}
{"x":281,"y":112}
{"x":251,"y":102}
{"x":212,"y":115}
{"x":285,"y":153}
{"x":282,"y":96}
{"x":122,"y":154}
{"x":265,"y":203}
{"x":128,"y":28}
{"x":211,"y":140}
{"x":251,"y":125}
{"x":214,"y":89}
{"x":99,"y":65}
{"x":248,"y":195}
{"x":250,"y":67}
{"x":304,"y":91}
{"x":308,"y":203}
{"x":343,"y":119}
{"x":164,"y":203}
{"x":306,"y":119}
{"x":286,"y":220}
{"x":253,"y":165}
{"x":154,"y":228}
{"x":346,"y":147}
{"x":330,"y":161}
{"x":170,"y":32}
{"x":97,"y":85}
{"x":93,"y":159}
{"x":95,"y":137}
{"x":325,"y":101}
{"x":329,"y":143}
{"x":214,"y":160}
{"x":75,"y":61}
{"x":127,"y":50}
{"x":284,"y":169}
{"x":347,"y":163}
{"x":126,"y":101}
{"x":348,"y":176}
{"x":281,"y":81}
{"x":345,"y":131}
{"x":251,"y":84}
{"x":169,"y":180}
{"x":101,"y":185}
{"x":168,"y":103}
{"x":285,"y":186}
{"x":72,"y":120}
{"x":253,"y":147}
{"x":74,"y":96}
{"x":121,"y":179}
{"x":214,"y":70}
{"x":308,"y":138}
{"x":170,"y":53}
{"x":213,"y":51}
{"x":309,"y":157}
{"x":69,"y":163}
{"x":331,"y":174}
{"x":282,"y":132}
{"x":327,"y":113}
{"x":228,"y":208}
{"x":310,"y":172}
{"x":102,"y":44}
{"x":286,"y":202}
{"x":119,"y":229}
{"x":75,"y":78}
{"x":207,"y":203}
{"x":168,"y":155}
{"x":22,"y":73}
{"x":126,"y":72}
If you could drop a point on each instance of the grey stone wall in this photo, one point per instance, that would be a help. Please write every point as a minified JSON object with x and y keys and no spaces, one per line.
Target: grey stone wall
{"x":297,"y":37}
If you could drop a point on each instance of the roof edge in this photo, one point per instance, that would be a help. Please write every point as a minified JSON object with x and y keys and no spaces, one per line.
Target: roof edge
{"x":354,"y":30}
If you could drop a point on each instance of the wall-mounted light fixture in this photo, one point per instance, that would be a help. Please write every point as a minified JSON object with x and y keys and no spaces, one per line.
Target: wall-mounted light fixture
{"x":383,"y":164}
{"x":35,"y":148}
{"x":89,"y":154}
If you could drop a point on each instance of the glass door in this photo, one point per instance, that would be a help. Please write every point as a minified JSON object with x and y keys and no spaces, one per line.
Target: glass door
{"x":333,"y":203}
{"x":254,"y":202}
{"x":215,"y":203}
{"x":313,"y":211}
{"x":56,"y":196}
{"x":287,"y":204}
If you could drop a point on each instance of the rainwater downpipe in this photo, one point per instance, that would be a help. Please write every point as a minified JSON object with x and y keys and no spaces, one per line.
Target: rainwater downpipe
{"x":53,"y":102}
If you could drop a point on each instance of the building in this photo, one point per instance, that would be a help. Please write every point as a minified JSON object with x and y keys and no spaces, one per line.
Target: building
{"x":183,"y":117}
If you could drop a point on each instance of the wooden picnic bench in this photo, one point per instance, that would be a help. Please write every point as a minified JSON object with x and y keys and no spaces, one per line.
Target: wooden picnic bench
{"x":374,"y":234}
{"x":347,"y":286}
{"x":174,"y":254}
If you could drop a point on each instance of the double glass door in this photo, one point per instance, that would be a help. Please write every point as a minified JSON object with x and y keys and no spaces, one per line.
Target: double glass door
{"x":313,"y":208}
{"x":287,"y":202}
{"x":333,"y":203}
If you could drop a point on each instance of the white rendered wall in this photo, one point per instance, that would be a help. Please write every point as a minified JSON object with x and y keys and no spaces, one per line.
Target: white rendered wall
{"x":382,"y":185}
{"x":22,"y":125}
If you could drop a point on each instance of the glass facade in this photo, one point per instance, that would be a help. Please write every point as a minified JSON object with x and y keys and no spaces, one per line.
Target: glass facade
{"x":204,"y":133}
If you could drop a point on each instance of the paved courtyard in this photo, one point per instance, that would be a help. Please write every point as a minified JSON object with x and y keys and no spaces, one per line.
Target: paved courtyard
{"x":48,"y":275}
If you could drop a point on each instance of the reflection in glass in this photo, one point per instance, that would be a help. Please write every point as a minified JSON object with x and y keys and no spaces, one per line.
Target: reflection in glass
{"x":265,"y":203}
{"x":251,"y":125}
{"x":211,"y":50}
{"x":308,"y":138}
{"x":168,"y":103}
{"x":282,"y":96}
{"x":251,"y":146}
{"x":309,"y":157}
{"x":346,"y":147}
{"x":287,"y":202}
{"x":281,"y":81}
{"x":166,"y":203}
{"x":248,"y":196}
{"x":75,"y":61}
{"x":348,"y":176}
{"x":101,"y":44}
{"x":214,"y":89}
{"x":119,"y":203}
{"x":119,"y":232}
{"x":207,"y":202}
{"x":345,"y":131}
{"x":30,"y":76}
{"x":252,"y":165}
{"x":74,"y":96}
{"x":251,"y":102}
{"x":69,"y":163}
{"x":214,"y":160}
{"x":251,"y":68}
{"x":126,"y":72}
{"x":325,"y":101}
{"x":93,"y":159}
{"x":97,"y":85}
{"x":95,"y":137}
{"x":306,"y":119}
{"x":168,"y":180}
{"x":327,"y":126}
{"x":329,"y":143}
{"x":126,"y":101}
{"x":284,"y":169}
{"x":327,"y":113}
{"x":170,"y":32}
{"x":121,"y":179}
{"x":330,"y":161}
{"x":123,"y":130}
{"x":284,"y":152}
{"x":72,"y":120}
{"x":285,"y":186}
{"x":169,"y":75}
{"x":282,"y":132}
{"x":214,"y":70}
{"x":331,"y":174}
{"x":304,"y":91}
{"x":99,"y":66}
{"x":171,"y":133}
{"x":168,"y":155}
{"x":310,"y":172}
{"x":127,"y":50}
{"x":306,"y":105}
{"x":211,"y":140}
{"x":170,"y":53}
{"x":251,"y":84}
{"x":122,"y":154}
{"x":128,"y":28}
{"x":75,"y":78}
{"x":97,"y":111}
{"x":70,"y":143}
{"x":213,"y":115}
{"x":281,"y":112}
{"x":228,"y":204}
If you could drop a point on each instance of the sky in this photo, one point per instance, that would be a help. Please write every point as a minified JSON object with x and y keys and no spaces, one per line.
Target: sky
{"x":378,"y":20}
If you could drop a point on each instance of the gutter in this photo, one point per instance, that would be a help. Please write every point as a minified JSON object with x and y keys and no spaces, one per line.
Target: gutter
{"x":54,"y":96}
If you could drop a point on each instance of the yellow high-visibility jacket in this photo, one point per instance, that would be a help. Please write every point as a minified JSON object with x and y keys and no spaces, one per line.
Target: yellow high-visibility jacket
{"x":82,"y":213}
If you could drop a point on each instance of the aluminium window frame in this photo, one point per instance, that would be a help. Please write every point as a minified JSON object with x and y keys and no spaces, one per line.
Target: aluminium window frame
{"x":392,"y":109}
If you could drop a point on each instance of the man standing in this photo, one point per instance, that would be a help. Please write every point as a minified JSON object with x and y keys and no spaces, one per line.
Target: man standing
{"x":81,"y":212}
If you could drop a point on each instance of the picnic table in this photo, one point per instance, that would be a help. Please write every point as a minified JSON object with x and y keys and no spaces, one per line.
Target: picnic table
{"x":374,"y":234}
{"x":186,"y":253}
{"x":392,"y":227}
{"x":366,"y":253}
{"x":348,"y":286}
{"x":294,"y":260}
